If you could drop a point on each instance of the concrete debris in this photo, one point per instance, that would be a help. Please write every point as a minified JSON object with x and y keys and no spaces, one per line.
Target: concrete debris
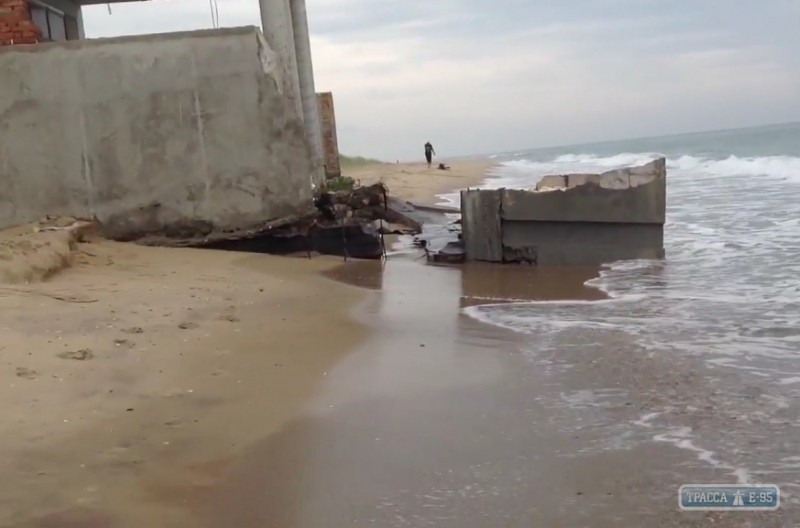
{"x":348,"y":223}
{"x":593,"y":219}
{"x":618,"y":179}
{"x":452,"y":253}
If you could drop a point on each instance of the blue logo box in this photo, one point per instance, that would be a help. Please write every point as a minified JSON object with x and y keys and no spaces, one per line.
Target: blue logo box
{"x":748,"y":497}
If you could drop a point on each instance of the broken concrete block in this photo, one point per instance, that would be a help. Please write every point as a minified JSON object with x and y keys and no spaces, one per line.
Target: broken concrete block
{"x":618,"y":180}
{"x":593,"y":219}
{"x":574,"y":180}
{"x":552,"y":182}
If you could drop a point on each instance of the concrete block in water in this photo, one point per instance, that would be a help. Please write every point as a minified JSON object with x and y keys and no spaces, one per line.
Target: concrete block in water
{"x":577,"y":219}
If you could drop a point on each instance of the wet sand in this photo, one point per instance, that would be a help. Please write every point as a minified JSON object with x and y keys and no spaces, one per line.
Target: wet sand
{"x":439,"y":420}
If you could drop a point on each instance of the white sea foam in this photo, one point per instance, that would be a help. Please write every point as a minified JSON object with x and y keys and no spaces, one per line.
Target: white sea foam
{"x":681,"y":438}
{"x":645,"y":420}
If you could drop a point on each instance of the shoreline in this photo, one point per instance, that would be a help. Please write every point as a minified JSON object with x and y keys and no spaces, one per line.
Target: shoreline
{"x":441,"y":419}
{"x":142,"y":368}
{"x":192,"y":369}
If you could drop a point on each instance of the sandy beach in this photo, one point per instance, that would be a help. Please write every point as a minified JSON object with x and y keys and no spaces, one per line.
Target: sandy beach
{"x":133,"y":375}
{"x":417,"y":183}
{"x":175,"y":387}
{"x":126,"y":372}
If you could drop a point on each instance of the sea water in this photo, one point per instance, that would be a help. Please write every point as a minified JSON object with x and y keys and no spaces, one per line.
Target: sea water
{"x":726,"y":295}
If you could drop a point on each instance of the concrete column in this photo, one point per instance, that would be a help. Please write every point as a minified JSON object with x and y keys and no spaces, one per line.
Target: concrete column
{"x":276,"y":23}
{"x":330,"y":144}
{"x":79,"y":19}
{"x":305,"y":69}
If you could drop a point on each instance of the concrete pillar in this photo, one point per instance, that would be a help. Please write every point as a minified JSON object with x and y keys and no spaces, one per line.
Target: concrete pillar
{"x":276,"y":23}
{"x":79,"y":19}
{"x":330,"y":144}
{"x":305,"y":69}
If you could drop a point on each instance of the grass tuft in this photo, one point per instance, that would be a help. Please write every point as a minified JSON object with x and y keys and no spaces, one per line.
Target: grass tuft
{"x":342,"y":183}
{"x":357,"y":161}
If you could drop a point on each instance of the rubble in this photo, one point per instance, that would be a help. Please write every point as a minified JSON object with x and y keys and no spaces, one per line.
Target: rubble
{"x":570,"y":220}
{"x":349,"y":223}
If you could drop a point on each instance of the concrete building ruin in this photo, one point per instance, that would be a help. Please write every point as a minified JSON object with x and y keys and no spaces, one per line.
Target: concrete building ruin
{"x":284,"y":24}
{"x":182,"y":133}
{"x":570,"y":220}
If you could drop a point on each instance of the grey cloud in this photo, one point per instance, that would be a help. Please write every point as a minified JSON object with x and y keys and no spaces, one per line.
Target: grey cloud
{"x":482,"y":75}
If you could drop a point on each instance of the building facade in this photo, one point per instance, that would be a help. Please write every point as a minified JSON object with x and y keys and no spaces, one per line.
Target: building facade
{"x":32,"y":21}
{"x":284,"y":24}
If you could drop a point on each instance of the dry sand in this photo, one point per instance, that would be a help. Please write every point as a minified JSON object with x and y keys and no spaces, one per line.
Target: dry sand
{"x":417,"y":183}
{"x":125,"y":373}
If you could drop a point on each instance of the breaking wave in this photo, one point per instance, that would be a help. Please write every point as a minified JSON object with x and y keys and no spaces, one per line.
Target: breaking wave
{"x":526,"y":173}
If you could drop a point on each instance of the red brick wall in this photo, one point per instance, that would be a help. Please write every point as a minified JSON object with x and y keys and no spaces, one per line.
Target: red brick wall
{"x":16,"y":26}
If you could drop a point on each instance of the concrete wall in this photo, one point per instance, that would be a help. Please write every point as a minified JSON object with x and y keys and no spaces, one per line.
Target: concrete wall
{"x":330,"y":143}
{"x":580,"y":220}
{"x":149,"y":133}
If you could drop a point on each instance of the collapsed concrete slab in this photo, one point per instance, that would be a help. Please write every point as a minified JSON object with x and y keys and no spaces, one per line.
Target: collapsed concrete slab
{"x":178,"y":136}
{"x":570,"y":220}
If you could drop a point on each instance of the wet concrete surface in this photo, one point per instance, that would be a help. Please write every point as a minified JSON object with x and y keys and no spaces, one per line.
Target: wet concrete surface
{"x":440,"y":420}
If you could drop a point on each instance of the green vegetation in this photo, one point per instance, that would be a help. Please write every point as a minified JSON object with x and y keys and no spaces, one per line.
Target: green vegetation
{"x":342,"y":183}
{"x":356,"y":161}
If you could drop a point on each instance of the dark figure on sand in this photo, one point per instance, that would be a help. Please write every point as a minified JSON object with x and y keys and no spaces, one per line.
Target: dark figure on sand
{"x":429,"y":153}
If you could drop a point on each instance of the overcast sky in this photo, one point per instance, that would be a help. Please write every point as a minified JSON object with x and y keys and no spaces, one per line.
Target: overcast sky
{"x":481,"y":76}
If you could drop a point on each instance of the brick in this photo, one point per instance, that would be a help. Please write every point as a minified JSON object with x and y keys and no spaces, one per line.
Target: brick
{"x":16,"y":27}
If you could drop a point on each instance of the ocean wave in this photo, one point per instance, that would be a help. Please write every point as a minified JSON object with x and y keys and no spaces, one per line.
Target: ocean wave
{"x":618,"y":160}
{"x":787,"y":167}
{"x":519,"y":172}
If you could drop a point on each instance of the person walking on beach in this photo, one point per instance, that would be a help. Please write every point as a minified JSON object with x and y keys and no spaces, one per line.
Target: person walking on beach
{"x":429,"y":153}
